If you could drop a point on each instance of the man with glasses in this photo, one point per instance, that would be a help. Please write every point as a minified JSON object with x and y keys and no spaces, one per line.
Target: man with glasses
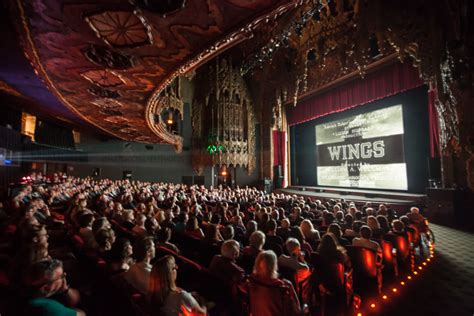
{"x":46,"y":279}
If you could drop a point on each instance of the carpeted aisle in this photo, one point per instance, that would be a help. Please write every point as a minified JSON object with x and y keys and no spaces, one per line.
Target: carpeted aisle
{"x":446,"y":287}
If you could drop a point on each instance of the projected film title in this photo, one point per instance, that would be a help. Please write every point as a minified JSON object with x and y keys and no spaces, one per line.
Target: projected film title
{"x":364,"y":151}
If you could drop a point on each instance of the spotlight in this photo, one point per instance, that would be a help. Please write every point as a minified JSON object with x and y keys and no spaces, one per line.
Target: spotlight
{"x":394,"y":290}
{"x":384,"y":297}
{"x":372,"y":305}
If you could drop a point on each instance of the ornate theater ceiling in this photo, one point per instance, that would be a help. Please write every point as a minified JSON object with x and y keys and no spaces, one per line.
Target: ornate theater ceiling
{"x":108,"y":61}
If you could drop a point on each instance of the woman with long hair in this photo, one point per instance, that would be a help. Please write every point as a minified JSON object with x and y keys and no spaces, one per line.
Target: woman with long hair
{"x":162,"y":290}
{"x":268,"y":294}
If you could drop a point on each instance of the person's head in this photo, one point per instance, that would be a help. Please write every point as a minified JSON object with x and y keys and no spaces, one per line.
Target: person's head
{"x":271,"y":226}
{"x":230,"y":249}
{"x":127,"y":215}
{"x":105,"y":237}
{"x":212,"y":232}
{"x":85,"y":220}
{"x":405,"y":220}
{"x":348,"y":220}
{"x":365,"y":232}
{"x":257,"y":240}
{"x":398,"y":226}
{"x":335,"y":229}
{"x":414,"y":210}
{"x":228,"y":232}
{"x":356,"y":225}
{"x":372,"y":222}
{"x":162,"y":279}
{"x":251,"y":227}
{"x":140,"y":221}
{"x":46,"y":278}
{"x":285,"y":223}
{"x":383,"y":223}
{"x":164,"y":235}
{"x":144,"y":249}
{"x":99,"y":223}
{"x":121,"y":250}
{"x":266,"y":265}
{"x":328,"y":244}
{"x":340,"y":216}
{"x":192,"y":224}
{"x":151,"y":225}
{"x":293,"y":247}
{"x":307,"y":228}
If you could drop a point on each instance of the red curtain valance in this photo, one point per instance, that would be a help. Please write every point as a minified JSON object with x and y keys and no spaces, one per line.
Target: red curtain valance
{"x":385,"y":82}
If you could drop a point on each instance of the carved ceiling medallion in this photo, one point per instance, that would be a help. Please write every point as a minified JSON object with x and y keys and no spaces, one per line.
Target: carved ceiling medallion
{"x":103,"y":78}
{"x":103,"y":93}
{"x":107,"y":58}
{"x":111,"y":112}
{"x":119,"y":120}
{"x":121,"y":28}
{"x":108,"y":103}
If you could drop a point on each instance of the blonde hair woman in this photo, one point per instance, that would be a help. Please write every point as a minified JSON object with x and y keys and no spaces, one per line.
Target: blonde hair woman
{"x":268,"y":294}
{"x":310,"y":234}
{"x":162,"y":289}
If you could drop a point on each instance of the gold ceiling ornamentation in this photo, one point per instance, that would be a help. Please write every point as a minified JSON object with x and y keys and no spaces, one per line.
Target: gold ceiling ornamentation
{"x":121,"y":28}
{"x":223,"y":116}
{"x":107,"y":103}
{"x":169,"y":98}
{"x":104,"y":78}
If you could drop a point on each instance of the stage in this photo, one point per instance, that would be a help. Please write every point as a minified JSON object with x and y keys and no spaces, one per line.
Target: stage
{"x":402,"y":200}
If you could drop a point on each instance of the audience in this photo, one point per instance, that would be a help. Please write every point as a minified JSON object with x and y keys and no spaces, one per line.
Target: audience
{"x":173,"y":215}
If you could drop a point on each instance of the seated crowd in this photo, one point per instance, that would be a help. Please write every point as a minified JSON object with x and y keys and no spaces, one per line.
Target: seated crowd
{"x":121,"y":244}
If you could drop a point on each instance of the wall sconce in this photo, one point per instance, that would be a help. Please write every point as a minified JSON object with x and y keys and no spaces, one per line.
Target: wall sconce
{"x":223,"y":170}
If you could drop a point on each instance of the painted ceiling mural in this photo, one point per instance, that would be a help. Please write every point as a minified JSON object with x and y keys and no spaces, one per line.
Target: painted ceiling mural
{"x":108,"y":61}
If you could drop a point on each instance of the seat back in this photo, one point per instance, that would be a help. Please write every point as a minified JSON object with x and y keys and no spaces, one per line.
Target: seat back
{"x":267,"y":299}
{"x":364,"y":261}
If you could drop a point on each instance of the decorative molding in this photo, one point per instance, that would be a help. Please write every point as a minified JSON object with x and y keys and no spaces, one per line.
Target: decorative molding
{"x":108,"y":58}
{"x":104,"y":78}
{"x":121,"y":28}
{"x":223,"y":115}
{"x":218,"y":47}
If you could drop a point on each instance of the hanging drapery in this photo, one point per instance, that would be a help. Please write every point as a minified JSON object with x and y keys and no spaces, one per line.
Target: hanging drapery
{"x":434,"y":125}
{"x":279,"y":150}
{"x":385,"y":82}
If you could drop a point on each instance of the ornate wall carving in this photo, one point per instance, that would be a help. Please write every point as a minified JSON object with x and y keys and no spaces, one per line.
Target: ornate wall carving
{"x":223,"y":115}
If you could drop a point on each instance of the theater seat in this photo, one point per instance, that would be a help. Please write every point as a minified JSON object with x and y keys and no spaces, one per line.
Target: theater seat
{"x":390,"y":265}
{"x":404,"y":253}
{"x":336,"y":292}
{"x":367,"y":275}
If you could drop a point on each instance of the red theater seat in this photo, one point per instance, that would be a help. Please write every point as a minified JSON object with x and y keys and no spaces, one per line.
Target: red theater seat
{"x":367,"y":274}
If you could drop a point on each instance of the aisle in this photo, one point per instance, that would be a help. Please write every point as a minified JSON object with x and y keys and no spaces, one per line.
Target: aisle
{"x":447,"y":287}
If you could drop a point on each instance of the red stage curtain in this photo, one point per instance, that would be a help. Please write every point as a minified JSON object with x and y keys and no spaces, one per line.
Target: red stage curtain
{"x":279,"y":148}
{"x":434,"y":125}
{"x":388,"y":81}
